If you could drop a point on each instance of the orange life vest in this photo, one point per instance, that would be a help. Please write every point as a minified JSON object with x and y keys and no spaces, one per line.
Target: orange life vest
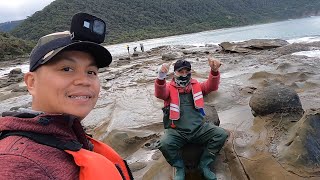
{"x":101,"y":163}
{"x":175,"y":101}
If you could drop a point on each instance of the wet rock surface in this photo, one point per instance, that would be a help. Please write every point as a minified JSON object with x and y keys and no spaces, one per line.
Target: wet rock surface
{"x":300,"y":153}
{"x":274,"y":145}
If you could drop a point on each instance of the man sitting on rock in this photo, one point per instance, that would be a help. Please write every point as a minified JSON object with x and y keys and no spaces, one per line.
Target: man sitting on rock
{"x":184,"y":114}
{"x":48,"y":141}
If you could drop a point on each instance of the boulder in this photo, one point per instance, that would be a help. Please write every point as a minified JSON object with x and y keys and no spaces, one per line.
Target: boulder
{"x":233,"y":47}
{"x":16,"y":71}
{"x":24,"y":106}
{"x":292,"y":48}
{"x":14,"y":76}
{"x":170,"y":56}
{"x":3,"y":83}
{"x":253,"y":44}
{"x":314,"y":44}
{"x":102,"y":70}
{"x":135,"y":54}
{"x":275,"y":99}
{"x":20,"y":89}
{"x":211,"y":114}
{"x":186,"y":51}
{"x":264,"y":43}
{"x":300,"y":154}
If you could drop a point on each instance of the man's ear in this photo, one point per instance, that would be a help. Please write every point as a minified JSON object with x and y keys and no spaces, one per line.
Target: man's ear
{"x":29,"y":79}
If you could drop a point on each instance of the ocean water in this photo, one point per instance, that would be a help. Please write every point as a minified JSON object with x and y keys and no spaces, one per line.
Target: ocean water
{"x":315,"y":53}
{"x":295,"y":30}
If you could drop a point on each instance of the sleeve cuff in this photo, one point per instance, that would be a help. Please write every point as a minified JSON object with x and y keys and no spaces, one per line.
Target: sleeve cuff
{"x":162,"y":75}
{"x":161,"y":82}
{"x":215,"y":73}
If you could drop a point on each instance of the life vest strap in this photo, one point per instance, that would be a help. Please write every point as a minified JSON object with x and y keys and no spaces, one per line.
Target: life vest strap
{"x":44,"y":139}
{"x":72,"y":148}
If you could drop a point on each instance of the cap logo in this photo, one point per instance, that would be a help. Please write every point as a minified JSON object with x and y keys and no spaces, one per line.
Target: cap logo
{"x":72,"y":35}
{"x":48,"y":54}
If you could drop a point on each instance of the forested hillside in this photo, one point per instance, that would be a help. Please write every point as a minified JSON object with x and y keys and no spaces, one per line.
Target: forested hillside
{"x":8,"y":26}
{"x":130,"y":20}
{"x":11,"y":46}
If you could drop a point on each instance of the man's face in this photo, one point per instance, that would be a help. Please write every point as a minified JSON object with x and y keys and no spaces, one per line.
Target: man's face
{"x":68,"y":85}
{"x":182,"y":77}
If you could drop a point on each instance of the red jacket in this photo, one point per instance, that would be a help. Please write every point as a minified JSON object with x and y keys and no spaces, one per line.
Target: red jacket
{"x":22,"y":158}
{"x":162,"y":90}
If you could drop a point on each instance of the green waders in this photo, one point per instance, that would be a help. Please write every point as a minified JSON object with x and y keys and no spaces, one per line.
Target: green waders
{"x":190,"y":128}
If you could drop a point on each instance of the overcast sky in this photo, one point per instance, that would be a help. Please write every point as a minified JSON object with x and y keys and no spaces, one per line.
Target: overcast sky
{"x":11,"y":10}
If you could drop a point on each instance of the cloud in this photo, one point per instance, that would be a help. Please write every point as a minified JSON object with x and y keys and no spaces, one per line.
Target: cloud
{"x":19,"y":9}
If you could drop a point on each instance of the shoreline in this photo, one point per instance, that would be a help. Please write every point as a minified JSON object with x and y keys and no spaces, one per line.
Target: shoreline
{"x":6,"y":66}
{"x":128,"y":117}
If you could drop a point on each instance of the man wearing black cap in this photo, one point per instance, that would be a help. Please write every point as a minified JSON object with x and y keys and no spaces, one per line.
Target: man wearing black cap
{"x":183,"y":116}
{"x":48,"y":141}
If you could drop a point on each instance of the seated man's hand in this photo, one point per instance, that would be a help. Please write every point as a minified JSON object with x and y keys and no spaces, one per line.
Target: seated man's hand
{"x":165,"y":67}
{"x":163,"y":70}
{"x":214,"y":64}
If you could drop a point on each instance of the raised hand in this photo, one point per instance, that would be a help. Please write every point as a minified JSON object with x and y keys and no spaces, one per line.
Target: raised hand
{"x":165,"y":67}
{"x":163,"y":70}
{"x":214,"y":64}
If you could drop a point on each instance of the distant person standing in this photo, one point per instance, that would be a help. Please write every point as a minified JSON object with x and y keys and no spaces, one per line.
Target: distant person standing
{"x":128,"y":48}
{"x":141,"y":47}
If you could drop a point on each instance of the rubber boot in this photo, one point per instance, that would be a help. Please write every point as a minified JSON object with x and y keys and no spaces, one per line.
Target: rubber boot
{"x":204,"y":165}
{"x":180,"y":171}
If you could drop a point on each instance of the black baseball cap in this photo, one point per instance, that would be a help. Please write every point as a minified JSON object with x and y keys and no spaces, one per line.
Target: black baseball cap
{"x":50,"y":45}
{"x":180,"y":64}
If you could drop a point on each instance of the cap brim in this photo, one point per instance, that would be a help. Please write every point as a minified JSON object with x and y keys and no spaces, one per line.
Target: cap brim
{"x":101,"y":55}
{"x":183,"y":68}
